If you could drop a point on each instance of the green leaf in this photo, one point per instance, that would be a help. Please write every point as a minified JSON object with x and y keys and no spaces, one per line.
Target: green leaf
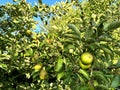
{"x":100,"y":28}
{"x":117,"y":52}
{"x":106,"y":38}
{"x":106,"y":48}
{"x":111,"y":26}
{"x":35,"y":74}
{"x":5,"y":57}
{"x":29,"y":52}
{"x":90,"y":40}
{"x":108,"y":56}
{"x":59,"y":65}
{"x":67,"y":78}
{"x":69,"y":46}
{"x":60,"y":75}
{"x":69,"y":41}
{"x":99,"y":76}
{"x":88,"y":33}
{"x":72,"y":36}
{"x":81,"y":79}
{"x":3,"y":66}
{"x":115,"y":82}
{"x":84,"y":73}
{"x":118,"y":63}
{"x":101,"y":87}
{"x":86,"y":87}
{"x":74,"y":28}
{"x":93,"y":46}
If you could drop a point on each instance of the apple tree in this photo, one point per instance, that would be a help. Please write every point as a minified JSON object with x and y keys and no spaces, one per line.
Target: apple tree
{"x":77,"y":47}
{"x":87,"y":26}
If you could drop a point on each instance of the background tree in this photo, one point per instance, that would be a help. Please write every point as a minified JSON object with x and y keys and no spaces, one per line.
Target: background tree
{"x":50,"y":59}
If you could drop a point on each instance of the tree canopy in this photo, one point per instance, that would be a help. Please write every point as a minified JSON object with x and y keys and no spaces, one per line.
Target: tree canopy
{"x":51,"y":58}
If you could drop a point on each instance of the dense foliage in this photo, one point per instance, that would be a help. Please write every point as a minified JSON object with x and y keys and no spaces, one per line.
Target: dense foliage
{"x":49,"y":58}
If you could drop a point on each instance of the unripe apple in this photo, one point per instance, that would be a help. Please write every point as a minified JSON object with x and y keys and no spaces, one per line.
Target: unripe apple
{"x":38,"y":67}
{"x":83,"y":66}
{"x":87,"y":58}
{"x":43,"y":74}
{"x":28,"y":32}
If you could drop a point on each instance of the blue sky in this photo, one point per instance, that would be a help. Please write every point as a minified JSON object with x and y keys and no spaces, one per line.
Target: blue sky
{"x":49,"y":2}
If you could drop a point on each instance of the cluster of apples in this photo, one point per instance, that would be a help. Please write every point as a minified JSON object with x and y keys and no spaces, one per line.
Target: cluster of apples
{"x":42,"y":72}
{"x":86,"y":60}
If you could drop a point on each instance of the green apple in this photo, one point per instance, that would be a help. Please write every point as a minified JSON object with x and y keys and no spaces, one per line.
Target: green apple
{"x":87,"y":58}
{"x":83,"y":66}
{"x":43,"y":74}
{"x":37,"y":67}
{"x":28,"y":32}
